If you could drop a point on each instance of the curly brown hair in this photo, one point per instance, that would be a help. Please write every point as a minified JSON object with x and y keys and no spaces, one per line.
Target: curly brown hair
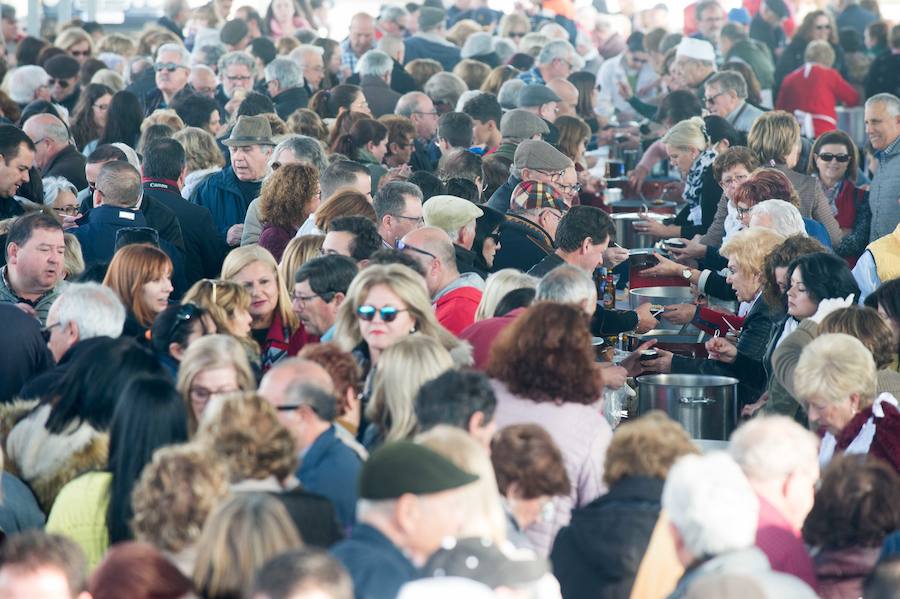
{"x":732,"y":157}
{"x":342,"y":366}
{"x":546,"y":355}
{"x":526,"y":455}
{"x":243,"y":430}
{"x":857,"y":504}
{"x":288,"y":195}
{"x":646,"y":447}
{"x":868,"y":326}
{"x":781,"y":257}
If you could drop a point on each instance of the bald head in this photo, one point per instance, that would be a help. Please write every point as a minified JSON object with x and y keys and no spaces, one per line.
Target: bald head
{"x":434,"y":240}
{"x":362,"y":33}
{"x":568,"y":95}
{"x":288,"y":373}
{"x":441,"y":270}
{"x":49,"y":135}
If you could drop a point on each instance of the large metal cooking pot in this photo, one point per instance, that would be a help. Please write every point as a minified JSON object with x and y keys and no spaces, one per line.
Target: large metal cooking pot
{"x":627,"y":236}
{"x":706,"y":406}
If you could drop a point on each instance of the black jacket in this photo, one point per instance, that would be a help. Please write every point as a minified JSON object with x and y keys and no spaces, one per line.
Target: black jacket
{"x":381,"y":98}
{"x":26,"y":353}
{"x":884,"y":75}
{"x":425,"y":157}
{"x":500,"y":199}
{"x":466,"y":261}
{"x":524,"y":244}
{"x":42,"y":384}
{"x":156,"y":216}
{"x":204,"y":250}
{"x":313,"y":515}
{"x":69,"y":164}
{"x":710,"y":194}
{"x":171,"y":26}
{"x":598,"y":554}
{"x":289,"y":100}
{"x":401,"y":81}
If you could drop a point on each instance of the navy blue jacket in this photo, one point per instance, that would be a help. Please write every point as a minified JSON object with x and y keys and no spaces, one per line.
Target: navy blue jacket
{"x":501,"y":197}
{"x":220,"y":194}
{"x":417,"y":47}
{"x":524,"y":244}
{"x":376,"y":565}
{"x":330,"y":468}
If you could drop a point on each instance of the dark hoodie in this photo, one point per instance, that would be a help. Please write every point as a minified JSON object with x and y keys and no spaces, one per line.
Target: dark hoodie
{"x":597,"y":555}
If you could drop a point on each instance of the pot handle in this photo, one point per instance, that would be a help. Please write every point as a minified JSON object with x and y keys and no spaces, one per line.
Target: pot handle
{"x":695,"y":400}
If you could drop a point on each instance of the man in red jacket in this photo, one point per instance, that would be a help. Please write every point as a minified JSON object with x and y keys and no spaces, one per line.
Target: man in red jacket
{"x":456,"y":296}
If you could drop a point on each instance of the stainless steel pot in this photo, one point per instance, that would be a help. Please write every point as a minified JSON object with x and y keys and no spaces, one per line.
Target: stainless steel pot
{"x":662,"y":296}
{"x":627,"y":236}
{"x":706,"y":406}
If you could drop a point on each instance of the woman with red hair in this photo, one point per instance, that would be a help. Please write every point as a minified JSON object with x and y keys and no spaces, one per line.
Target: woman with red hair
{"x":141,"y":275}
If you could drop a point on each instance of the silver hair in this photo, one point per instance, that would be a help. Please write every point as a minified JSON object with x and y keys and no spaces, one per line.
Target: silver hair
{"x":467,"y":95}
{"x":23,"y":83}
{"x":376,"y":63}
{"x":409,"y":103}
{"x":784,"y":217}
{"x":445,"y":87}
{"x":49,"y":127}
{"x":241,"y":58}
{"x":509,"y":92}
{"x":285,"y":71}
{"x":891,"y":102}
{"x":730,"y":81}
{"x":566,"y":284}
{"x":53,"y":186}
{"x":773,"y":447}
{"x":555,"y":49}
{"x":390,"y":45}
{"x":302,"y":50}
{"x":94,"y":308}
{"x":711,"y":504}
{"x":184,"y":55}
{"x":210,"y":54}
{"x":504,"y":48}
{"x":391,"y":14}
{"x":306,"y":149}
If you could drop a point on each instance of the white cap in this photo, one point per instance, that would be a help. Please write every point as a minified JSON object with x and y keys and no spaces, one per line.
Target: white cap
{"x":697,"y":49}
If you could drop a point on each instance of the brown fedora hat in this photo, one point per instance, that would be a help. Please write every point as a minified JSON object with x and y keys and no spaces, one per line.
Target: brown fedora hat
{"x":250,"y":131}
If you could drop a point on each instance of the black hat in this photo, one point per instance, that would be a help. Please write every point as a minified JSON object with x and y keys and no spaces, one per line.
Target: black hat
{"x":62,"y":66}
{"x":404,"y":467}
{"x":482,"y":561}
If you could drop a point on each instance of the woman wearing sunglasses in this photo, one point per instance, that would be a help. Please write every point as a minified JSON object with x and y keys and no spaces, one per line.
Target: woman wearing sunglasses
{"x":174,"y":329}
{"x":835,"y":164}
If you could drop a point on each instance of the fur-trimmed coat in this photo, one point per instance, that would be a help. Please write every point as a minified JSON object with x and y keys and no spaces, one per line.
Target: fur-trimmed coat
{"x":43,"y":460}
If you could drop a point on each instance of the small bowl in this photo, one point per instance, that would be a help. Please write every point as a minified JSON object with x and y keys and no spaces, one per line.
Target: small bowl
{"x":674,"y":242}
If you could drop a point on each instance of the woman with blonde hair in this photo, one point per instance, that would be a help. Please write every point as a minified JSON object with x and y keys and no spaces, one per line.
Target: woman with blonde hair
{"x":297,"y":252}
{"x":775,"y":139}
{"x":498,"y":284}
{"x":141,"y":275}
{"x":212,"y":365}
{"x":287,"y":198}
{"x":473,"y":72}
{"x":76,"y":42}
{"x":203,"y":157}
{"x":239,"y":536}
{"x":485,"y":518}
{"x":405,"y":366}
{"x":73,"y":261}
{"x":228,"y":305}
{"x":688,"y":147}
{"x":514,"y":26}
{"x":275,"y":327}
{"x":385,"y":304}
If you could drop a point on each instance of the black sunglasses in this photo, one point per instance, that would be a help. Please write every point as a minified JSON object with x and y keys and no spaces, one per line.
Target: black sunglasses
{"x":495,"y":236}
{"x":166,"y":66}
{"x":401,"y":245}
{"x":828,"y":157}
{"x":387,"y":313}
{"x":47,"y":331}
{"x":63,"y":83}
{"x":186,"y":313}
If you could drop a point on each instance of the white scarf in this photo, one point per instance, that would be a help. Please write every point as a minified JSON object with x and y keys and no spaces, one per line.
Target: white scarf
{"x":863,"y":440}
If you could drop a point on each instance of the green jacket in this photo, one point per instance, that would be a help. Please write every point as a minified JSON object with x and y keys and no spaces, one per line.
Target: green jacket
{"x":758,"y":58}
{"x":79,"y":513}
{"x":42,"y":306}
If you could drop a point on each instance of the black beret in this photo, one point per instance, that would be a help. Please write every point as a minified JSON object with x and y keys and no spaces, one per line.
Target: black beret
{"x":62,"y":66}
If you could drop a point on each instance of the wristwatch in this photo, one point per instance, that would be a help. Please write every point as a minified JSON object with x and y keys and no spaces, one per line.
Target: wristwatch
{"x":686,"y":273}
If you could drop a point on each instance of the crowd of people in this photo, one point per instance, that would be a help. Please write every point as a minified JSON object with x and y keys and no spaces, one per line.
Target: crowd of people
{"x":288,"y":311}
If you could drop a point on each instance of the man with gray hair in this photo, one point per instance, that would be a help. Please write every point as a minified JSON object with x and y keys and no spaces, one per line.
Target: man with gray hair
{"x":557,"y":60}
{"x":713,"y":515}
{"x":375,"y":68}
{"x":393,"y":21}
{"x":54,"y":155}
{"x":237,"y":71}
{"x":780,"y":460}
{"x":419,"y":109}
{"x":726,"y":96}
{"x":310,"y":60}
{"x":204,"y":81}
{"x":431,"y":40}
{"x":27,"y":84}
{"x":173,"y":69}
{"x":284,"y":82}
{"x":782,"y":217}
{"x":883,"y":131}
{"x":398,"y":210}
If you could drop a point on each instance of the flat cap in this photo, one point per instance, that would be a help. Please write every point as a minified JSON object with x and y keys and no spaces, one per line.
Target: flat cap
{"x":477,"y":44}
{"x":403,"y":467}
{"x":449,"y":212}
{"x":62,"y":66}
{"x":430,"y":17}
{"x":521,"y":124}
{"x":539,"y":155}
{"x":233,"y":32}
{"x":533,"y":195}
{"x":536,"y":94}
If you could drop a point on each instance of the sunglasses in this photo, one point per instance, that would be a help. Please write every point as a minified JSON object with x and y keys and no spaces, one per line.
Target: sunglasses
{"x":63,"y":83}
{"x":47,"y":331}
{"x":80,"y":52}
{"x":186,"y":313}
{"x":823,"y":27}
{"x":828,"y":157}
{"x":166,"y":66}
{"x":495,"y":236}
{"x":387,"y":313}
{"x":515,"y":34}
{"x":401,"y":245}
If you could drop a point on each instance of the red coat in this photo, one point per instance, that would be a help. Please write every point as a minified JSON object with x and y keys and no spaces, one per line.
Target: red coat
{"x":817,"y":90}
{"x":456,"y":309}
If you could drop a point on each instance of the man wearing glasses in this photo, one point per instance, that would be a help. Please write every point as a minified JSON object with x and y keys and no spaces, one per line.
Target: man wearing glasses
{"x":695,"y":63}
{"x":173,"y":70}
{"x":63,"y":82}
{"x":726,"y":96}
{"x":398,"y":210}
{"x":534,"y":160}
{"x":237,"y":71}
{"x":557,"y":60}
{"x":320,"y":286}
{"x":54,"y":155}
{"x":632,"y":65}
{"x":419,"y":109}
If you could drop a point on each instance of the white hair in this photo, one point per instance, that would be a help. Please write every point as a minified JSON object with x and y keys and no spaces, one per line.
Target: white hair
{"x":54,"y":185}
{"x":504,"y":48}
{"x":240,"y":58}
{"x":445,"y":87}
{"x":23,"y":83}
{"x":184,"y":55}
{"x":559,"y":49}
{"x":375,"y":63}
{"x":554,"y":31}
{"x":891,"y":102}
{"x":509,"y":92}
{"x":566,"y":284}
{"x":299,"y":53}
{"x":783,"y":217}
{"x":467,"y":95}
{"x":711,"y":504}
{"x":285,"y":71}
{"x":773,"y":447}
{"x":95,"y":308}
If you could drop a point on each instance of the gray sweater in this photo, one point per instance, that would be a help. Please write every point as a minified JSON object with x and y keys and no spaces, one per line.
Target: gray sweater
{"x":885,"y":191}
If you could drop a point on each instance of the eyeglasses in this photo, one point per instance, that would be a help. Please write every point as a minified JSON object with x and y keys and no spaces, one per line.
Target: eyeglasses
{"x":326,"y":296}
{"x":576,"y":188}
{"x":401,"y":245}
{"x":495,"y":236}
{"x":201,"y":395}
{"x":828,"y":157}
{"x":47,"y":331}
{"x":734,"y":180}
{"x":186,"y":313}
{"x":80,"y":52}
{"x":712,"y":99}
{"x":63,"y":83}
{"x":238,"y":78}
{"x":516,"y":34}
{"x":212,"y":283}
{"x":387,"y":313}
{"x":68,"y":210}
{"x":167,"y":66}
{"x":823,"y":27}
{"x":742,"y":212}
{"x":418,"y":219}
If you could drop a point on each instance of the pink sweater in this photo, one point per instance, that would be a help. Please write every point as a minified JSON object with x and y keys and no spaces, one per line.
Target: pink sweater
{"x":582,"y":435}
